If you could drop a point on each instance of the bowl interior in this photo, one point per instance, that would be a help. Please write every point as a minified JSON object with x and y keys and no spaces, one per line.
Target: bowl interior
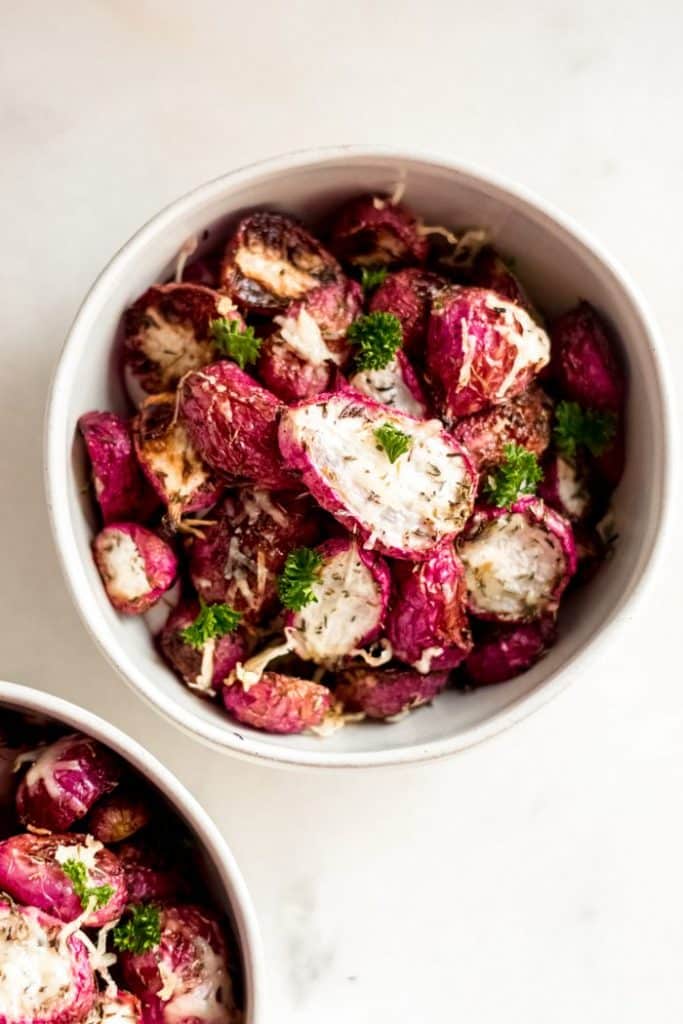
{"x":558,"y":269}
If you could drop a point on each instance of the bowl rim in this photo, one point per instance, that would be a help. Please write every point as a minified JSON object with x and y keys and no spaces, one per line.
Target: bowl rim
{"x":56,"y":467}
{"x":25,"y":698}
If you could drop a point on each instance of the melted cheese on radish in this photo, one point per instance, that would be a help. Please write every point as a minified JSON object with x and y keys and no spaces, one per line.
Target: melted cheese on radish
{"x":388,"y":387}
{"x":531,"y":343}
{"x":175,"y":461}
{"x":100,"y":959}
{"x":304,"y":336}
{"x":571,"y":489}
{"x":347,"y":607}
{"x":278,"y":276}
{"x":125,"y":567}
{"x":172,"y":346}
{"x":36,"y":970}
{"x":409,"y":504}
{"x":210,"y":999}
{"x":512,"y":567}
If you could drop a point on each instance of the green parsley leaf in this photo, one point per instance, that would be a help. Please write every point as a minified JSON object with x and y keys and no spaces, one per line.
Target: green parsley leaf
{"x":373,"y":277}
{"x":518,"y":474}
{"x":577,"y":427}
{"x":241,"y":345}
{"x":77,"y":873}
{"x":214,"y":620}
{"x":302,"y":569}
{"x":392,"y":440}
{"x":378,"y":336}
{"x":140,"y":931}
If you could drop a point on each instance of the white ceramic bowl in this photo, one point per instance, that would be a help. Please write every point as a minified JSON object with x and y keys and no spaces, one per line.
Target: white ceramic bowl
{"x":557,"y":262}
{"x":222,"y":873}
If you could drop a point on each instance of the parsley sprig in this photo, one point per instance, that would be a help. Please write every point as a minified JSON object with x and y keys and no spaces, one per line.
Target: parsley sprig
{"x":377,"y":337}
{"x":392,"y":441}
{"x":302,"y":569}
{"x":517,"y":475}
{"x":578,"y":427}
{"x":373,"y":277}
{"x":242,"y":345}
{"x":77,"y":873}
{"x":140,"y":931}
{"x":213,"y":620}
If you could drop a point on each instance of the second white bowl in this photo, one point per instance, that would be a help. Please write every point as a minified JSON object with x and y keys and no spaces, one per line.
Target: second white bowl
{"x":222,"y":874}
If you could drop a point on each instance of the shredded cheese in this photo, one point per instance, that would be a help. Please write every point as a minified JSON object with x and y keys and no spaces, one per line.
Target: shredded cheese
{"x":437,"y":229}
{"x":424,"y":663}
{"x":259,"y":501}
{"x":85,"y":853}
{"x":124,"y":565}
{"x":304,"y":336}
{"x":398,"y":191}
{"x":243,"y":587}
{"x":571,"y":489}
{"x":336,"y":718}
{"x":469,"y":347}
{"x":249,"y":673}
{"x":186,"y":250}
{"x":225,"y":305}
{"x":43,"y":770}
{"x":100,"y":960}
{"x":399,"y":716}
{"x":374,"y":660}
{"x":27,"y":757}
{"x":169,"y":981}
{"x":394,"y":198}
{"x":261,"y":573}
{"x":204,"y":680}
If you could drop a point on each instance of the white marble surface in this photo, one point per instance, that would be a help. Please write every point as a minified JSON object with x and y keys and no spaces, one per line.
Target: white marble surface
{"x":538,"y":877}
